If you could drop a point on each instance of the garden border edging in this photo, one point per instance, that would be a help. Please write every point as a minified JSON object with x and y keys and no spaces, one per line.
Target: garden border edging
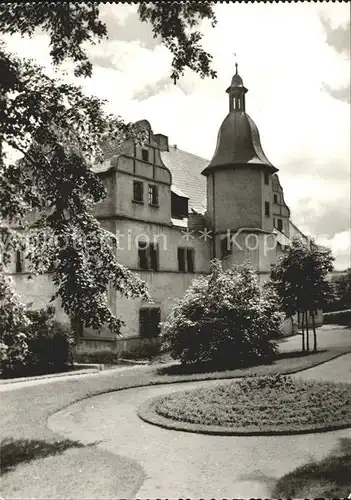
{"x":89,"y":368}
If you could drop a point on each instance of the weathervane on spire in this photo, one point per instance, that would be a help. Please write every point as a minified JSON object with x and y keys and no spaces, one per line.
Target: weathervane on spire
{"x":236,"y":64}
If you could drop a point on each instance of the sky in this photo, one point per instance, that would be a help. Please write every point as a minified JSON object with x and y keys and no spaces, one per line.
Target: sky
{"x":295,"y":60}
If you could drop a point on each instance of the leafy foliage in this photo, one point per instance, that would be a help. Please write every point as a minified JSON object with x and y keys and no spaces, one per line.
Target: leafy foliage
{"x":224,"y":319}
{"x":72,"y":26}
{"x":13,"y":325}
{"x":300,"y":279}
{"x":58,"y":133}
{"x":42,"y":346}
{"x":342,"y":286}
{"x":172,"y":22}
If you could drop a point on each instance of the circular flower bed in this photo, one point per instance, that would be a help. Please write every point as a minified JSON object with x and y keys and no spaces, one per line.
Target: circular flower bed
{"x":255,"y":405}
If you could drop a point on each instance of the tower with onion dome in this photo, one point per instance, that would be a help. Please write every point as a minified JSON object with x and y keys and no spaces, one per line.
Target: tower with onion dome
{"x":239,"y":188}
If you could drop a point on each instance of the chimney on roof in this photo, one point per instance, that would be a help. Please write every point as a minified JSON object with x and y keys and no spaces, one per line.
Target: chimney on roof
{"x":162,"y":141}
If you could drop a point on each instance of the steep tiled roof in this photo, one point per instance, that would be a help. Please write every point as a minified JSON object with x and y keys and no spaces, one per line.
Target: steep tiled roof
{"x":186,"y":171}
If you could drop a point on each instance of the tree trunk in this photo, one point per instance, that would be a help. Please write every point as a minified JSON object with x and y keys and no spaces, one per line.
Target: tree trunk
{"x":303,"y":332}
{"x":307,"y":333}
{"x":314,"y":333}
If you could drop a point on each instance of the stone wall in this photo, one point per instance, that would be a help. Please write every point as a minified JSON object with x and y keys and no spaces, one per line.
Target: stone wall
{"x":237,"y":196}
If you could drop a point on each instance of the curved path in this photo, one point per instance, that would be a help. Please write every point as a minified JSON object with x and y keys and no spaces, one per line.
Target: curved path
{"x":180,"y":464}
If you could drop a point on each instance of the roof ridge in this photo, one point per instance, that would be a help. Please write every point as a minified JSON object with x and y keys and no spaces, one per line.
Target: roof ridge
{"x":187,"y":152}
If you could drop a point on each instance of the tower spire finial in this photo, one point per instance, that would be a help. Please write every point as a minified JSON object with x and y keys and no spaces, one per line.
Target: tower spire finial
{"x":236,"y":64}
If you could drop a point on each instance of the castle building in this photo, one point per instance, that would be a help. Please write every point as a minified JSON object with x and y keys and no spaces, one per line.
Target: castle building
{"x":173,"y":212}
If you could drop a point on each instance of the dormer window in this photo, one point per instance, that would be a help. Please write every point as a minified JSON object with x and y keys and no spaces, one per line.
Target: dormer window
{"x":179,"y":206}
{"x":145,"y":154}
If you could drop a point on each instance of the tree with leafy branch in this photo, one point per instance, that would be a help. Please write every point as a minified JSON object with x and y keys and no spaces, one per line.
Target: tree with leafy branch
{"x":300,"y":279}
{"x":342,"y":284}
{"x":58,"y":133}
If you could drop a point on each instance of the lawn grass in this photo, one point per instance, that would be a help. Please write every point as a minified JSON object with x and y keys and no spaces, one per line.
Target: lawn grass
{"x":284,"y":362}
{"x":329,"y":478}
{"x":259,"y":403}
{"x":17,"y":451}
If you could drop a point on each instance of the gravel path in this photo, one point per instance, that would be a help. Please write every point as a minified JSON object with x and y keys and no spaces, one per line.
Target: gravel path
{"x":180,"y":464}
{"x":336,"y":370}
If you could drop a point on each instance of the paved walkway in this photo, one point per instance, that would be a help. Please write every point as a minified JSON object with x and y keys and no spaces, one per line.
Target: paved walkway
{"x":180,"y":464}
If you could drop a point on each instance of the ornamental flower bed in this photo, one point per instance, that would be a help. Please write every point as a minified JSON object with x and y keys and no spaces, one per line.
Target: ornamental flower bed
{"x":261,"y":403}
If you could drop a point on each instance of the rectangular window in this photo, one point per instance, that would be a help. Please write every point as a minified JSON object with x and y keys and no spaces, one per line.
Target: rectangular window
{"x":142,"y":252}
{"x":266,"y":178}
{"x":266,"y":209}
{"x":226,"y":247}
{"x":275,"y":198}
{"x":280,"y":225}
{"x":190,"y":259}
{"x":149,"y":322}
{"x":145,"y":154}
{"x":273,"y":222}
{"x":186,"y":260}
{"x":181,"y":259}
{"x":19,"y":262}
{"x":148,"y":255}
{"x":153,"y":195}
{"x":153,"y":254}
{"x":138,"y":191}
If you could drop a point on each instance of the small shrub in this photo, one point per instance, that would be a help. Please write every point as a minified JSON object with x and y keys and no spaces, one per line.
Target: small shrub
{"x":144,"y":351}
{"x":13,"y":325}
{"x":338,"y":318}
{"x":225,"y":319}
{"x":49,"y":342}
{"x":45,"y":346}
{"x":102,"y":357}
